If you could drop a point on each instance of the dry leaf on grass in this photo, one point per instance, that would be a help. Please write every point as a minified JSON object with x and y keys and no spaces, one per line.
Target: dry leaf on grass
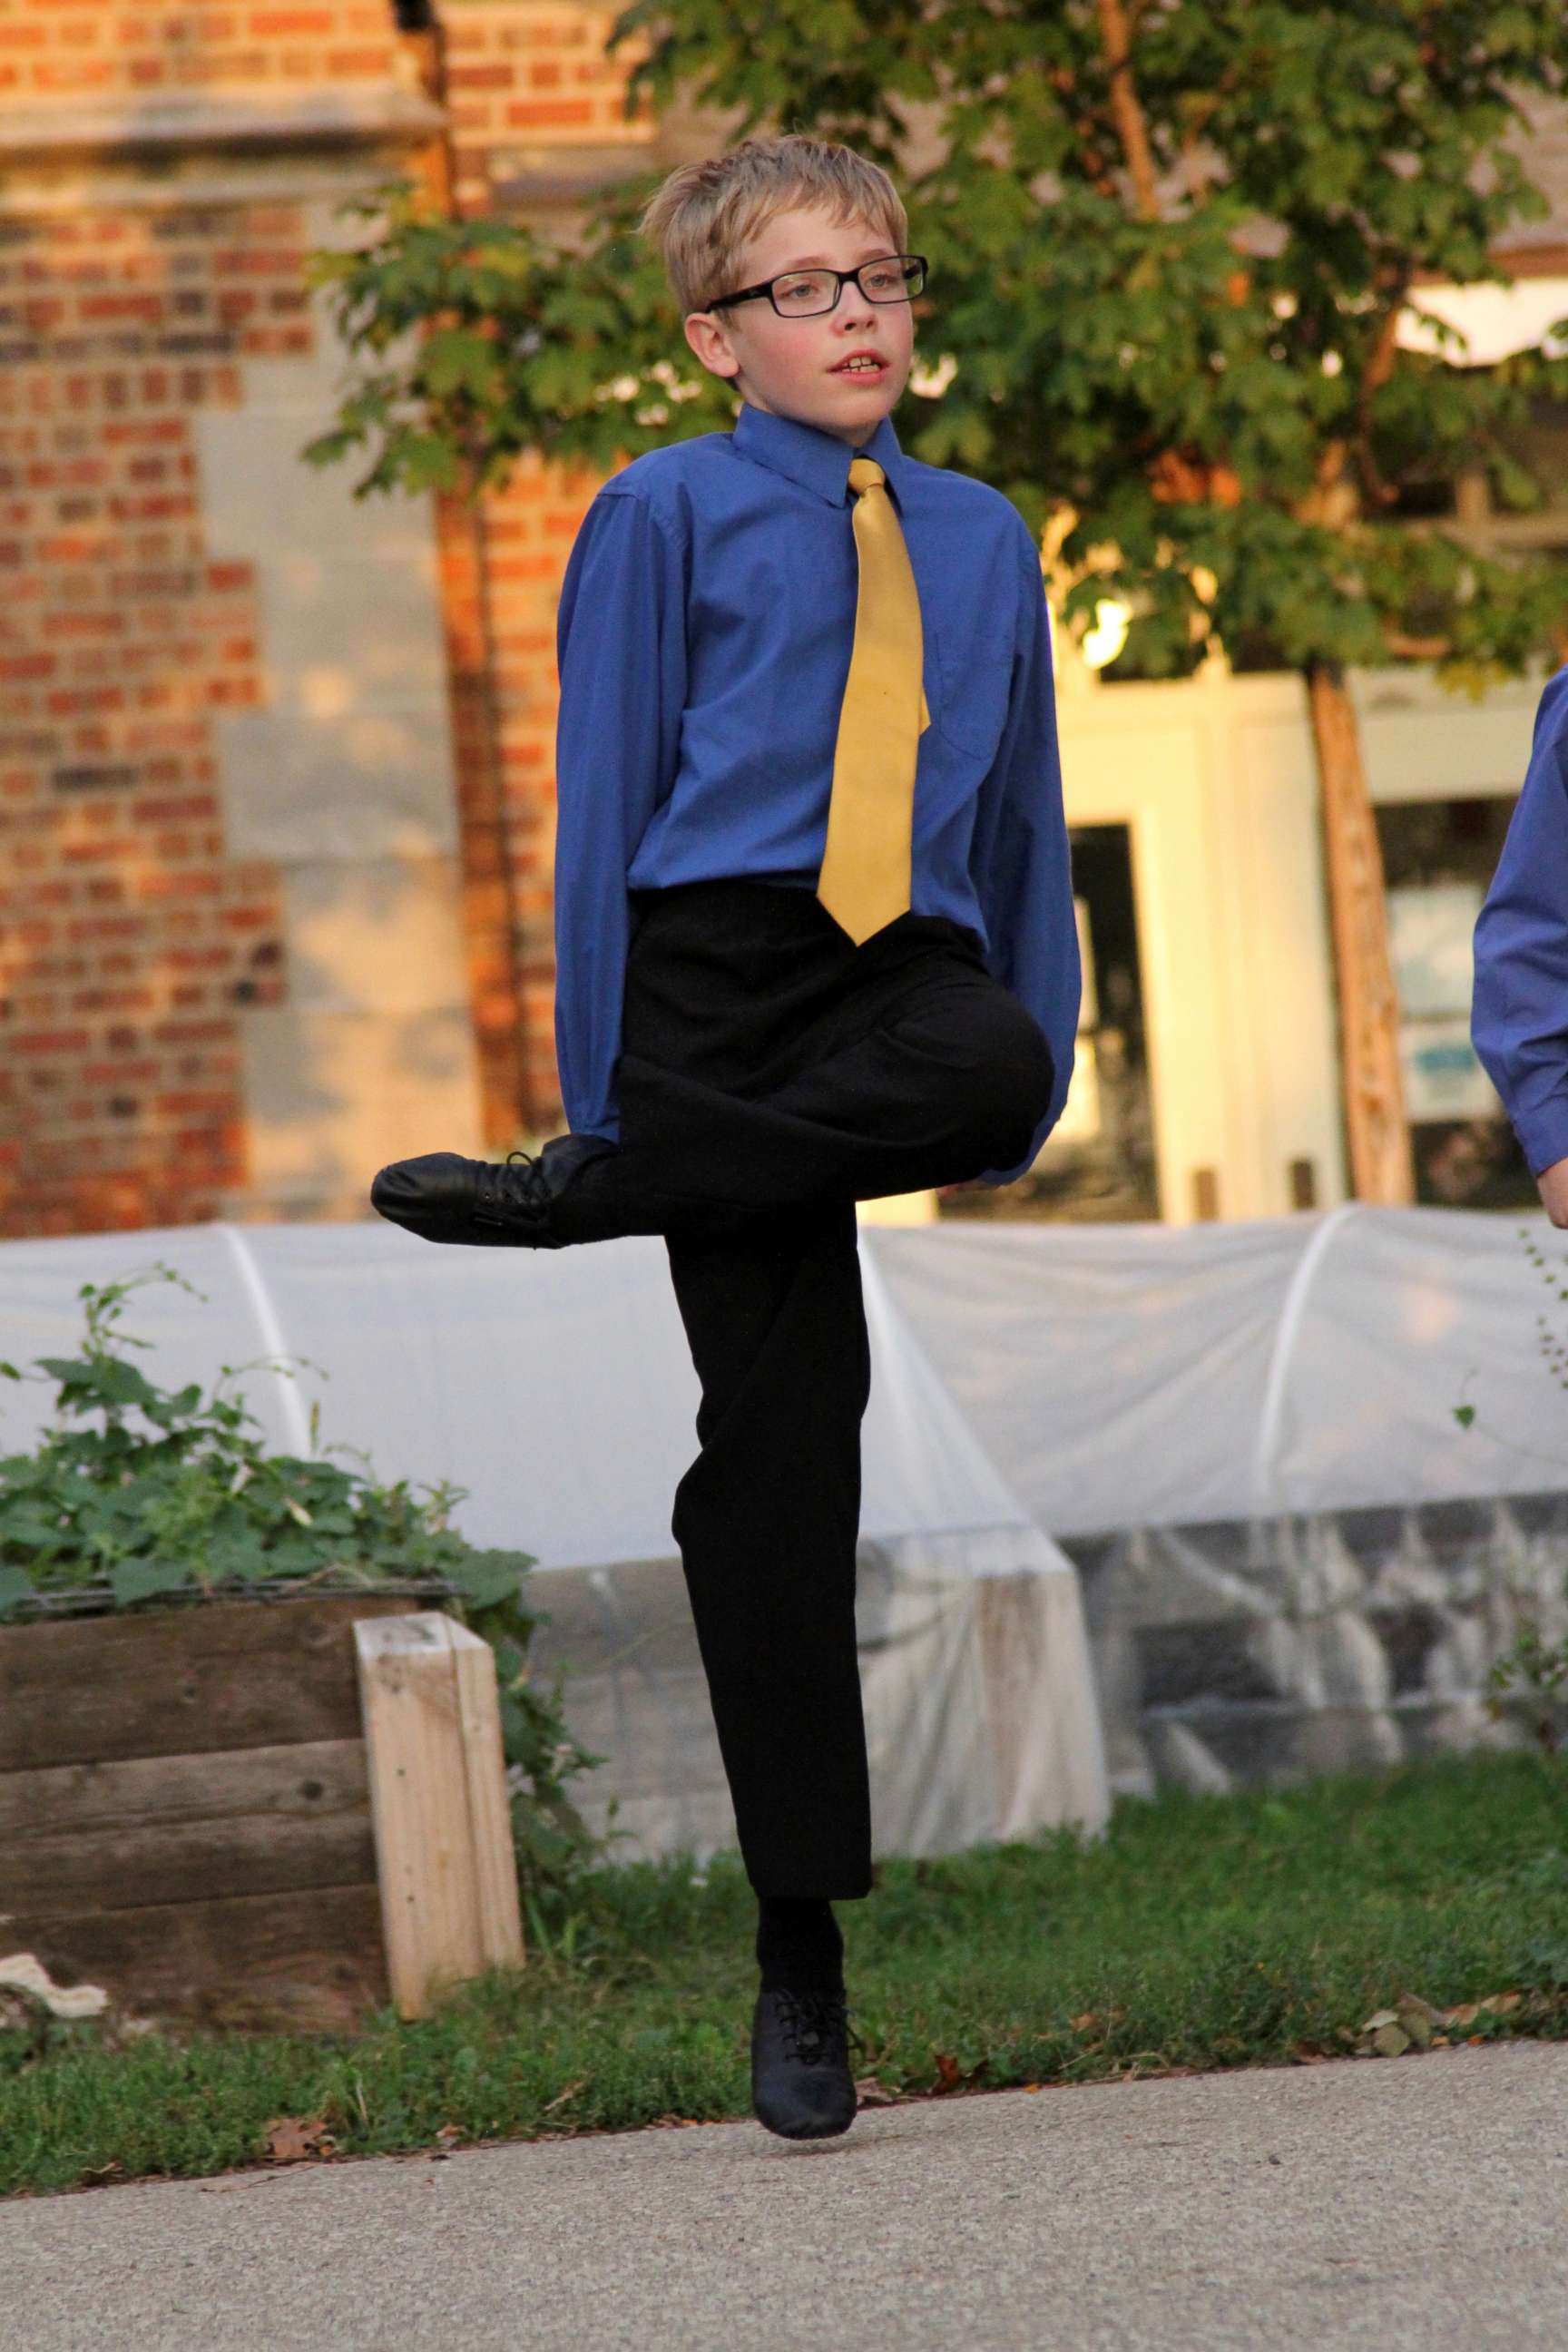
{"x":1090,"y":2020}
{"x":295,"y":2140}
{"x":1389,"y":2032}
{"x":951,"y":2075}
{"x":871,"y":2093}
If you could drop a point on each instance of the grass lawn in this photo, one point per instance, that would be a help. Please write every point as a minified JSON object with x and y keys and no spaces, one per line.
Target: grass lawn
{"x":1259,"y":1929}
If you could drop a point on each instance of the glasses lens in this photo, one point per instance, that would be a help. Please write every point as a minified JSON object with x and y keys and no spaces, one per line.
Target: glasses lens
{"x":806,"y":292}
{"x":803,"y":291}
{"x":893,"y":282}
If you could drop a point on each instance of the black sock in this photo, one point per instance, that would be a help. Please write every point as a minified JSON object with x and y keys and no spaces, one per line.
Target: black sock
{"x":589,"y":1201}
{"x":798,"y":1939}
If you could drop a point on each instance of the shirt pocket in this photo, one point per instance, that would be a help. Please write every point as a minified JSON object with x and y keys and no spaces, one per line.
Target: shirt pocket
{"x":973,"y":684}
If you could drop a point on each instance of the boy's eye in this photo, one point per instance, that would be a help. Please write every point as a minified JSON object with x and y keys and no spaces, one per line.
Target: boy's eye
{"x":885,"y":281}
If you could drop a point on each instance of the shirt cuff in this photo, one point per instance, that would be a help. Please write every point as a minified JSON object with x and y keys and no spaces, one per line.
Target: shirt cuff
{"x":1543,"y":1133}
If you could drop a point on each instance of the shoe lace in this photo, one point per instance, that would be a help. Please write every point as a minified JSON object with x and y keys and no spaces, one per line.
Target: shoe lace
{"x":497,"y":1190}
{"x":815,"y":2024}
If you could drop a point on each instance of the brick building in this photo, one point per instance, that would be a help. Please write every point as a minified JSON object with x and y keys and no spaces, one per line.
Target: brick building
{"x":274,"y":766}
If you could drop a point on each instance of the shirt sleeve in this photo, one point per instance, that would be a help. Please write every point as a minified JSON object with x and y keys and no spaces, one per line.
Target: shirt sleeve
{"x":1519,"y":1012}
{"x":620,"y":642}
{"x":1020,"y":859}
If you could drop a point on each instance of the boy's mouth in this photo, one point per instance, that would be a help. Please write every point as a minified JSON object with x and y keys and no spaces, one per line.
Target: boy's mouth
{"x":868,"y":370}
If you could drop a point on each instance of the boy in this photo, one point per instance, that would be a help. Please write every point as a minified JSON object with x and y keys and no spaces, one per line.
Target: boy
{"x":815,"y":944}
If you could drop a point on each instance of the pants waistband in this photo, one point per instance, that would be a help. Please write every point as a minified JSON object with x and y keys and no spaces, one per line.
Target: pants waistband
{"x":792,"y":910}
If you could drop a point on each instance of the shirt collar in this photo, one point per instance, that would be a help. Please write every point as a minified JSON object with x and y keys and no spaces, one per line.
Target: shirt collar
{"x":816,"y":459}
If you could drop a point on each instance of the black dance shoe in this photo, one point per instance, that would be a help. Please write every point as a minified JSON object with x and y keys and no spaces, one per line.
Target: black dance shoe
{"x":443,"y":1197}
{"x":801,"y":2084}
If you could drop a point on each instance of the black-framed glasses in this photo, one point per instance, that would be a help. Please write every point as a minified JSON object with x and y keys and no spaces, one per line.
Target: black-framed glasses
{"x":805,"y":293}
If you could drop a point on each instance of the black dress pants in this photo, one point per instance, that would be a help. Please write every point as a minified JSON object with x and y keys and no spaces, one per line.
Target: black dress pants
{"x":772,"y":1074}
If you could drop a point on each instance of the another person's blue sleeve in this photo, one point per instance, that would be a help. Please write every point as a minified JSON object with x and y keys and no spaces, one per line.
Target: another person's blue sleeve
{"x":1020,"y":857}
{"x":1519,"y":1014}
{"x":620,"y":639}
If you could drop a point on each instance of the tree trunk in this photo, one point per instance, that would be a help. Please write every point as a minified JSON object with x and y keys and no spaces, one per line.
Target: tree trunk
{"x":1381,"y":1170}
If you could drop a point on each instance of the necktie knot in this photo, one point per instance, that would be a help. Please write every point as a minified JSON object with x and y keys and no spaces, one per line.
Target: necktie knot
{"x":865,"y":474}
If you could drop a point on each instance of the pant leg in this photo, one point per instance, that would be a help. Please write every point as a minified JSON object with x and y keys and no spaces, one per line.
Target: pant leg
{"x":767,"y":1518}
{"x":949,"y":1076}
{"x":772,"y":1073}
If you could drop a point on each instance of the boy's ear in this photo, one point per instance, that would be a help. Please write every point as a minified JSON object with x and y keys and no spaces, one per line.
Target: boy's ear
{"x":710,"y":343}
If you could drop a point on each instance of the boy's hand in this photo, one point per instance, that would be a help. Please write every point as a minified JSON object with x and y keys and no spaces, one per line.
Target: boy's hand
{"x":1553,"y":1186}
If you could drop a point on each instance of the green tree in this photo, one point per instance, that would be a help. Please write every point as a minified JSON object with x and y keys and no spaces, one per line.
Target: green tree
{"x":1171,"y":242}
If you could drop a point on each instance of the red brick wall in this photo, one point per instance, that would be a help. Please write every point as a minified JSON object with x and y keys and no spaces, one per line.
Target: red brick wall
{"x":130,"y":939}
{"x":528,"y":531}
{"x":128,"y":935}
{"x":523,"y":75}
{"x":93,"y":49}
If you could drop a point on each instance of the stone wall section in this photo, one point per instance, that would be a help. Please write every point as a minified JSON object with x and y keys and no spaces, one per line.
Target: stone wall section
{"x":1246,"y":1653}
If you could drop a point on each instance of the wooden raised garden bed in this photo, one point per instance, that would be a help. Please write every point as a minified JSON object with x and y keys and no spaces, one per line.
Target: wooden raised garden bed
{"x":185,"y":1808}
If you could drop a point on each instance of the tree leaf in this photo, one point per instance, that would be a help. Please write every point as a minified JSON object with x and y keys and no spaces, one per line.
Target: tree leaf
{"x":487,"y":1577}
{"x":138,"y":1579}
{"x":15,"y":1587}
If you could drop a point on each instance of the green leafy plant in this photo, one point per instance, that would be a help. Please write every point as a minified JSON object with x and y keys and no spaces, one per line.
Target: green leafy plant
{"x":136,"y":1496}
{"x":1531,"y":1674}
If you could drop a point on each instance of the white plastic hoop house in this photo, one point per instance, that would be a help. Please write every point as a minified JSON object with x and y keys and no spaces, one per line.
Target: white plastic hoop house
{"x":1229,"y":1452}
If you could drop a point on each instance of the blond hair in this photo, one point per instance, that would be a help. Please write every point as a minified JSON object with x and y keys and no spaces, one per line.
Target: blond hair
{"x":704,"y":215}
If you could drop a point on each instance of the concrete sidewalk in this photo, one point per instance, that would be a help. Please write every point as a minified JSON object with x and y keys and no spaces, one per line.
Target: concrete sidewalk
{"x":1417,"y":2201}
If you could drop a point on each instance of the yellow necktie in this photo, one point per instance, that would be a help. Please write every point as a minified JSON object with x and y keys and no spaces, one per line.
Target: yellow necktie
{"x":865,"y":878}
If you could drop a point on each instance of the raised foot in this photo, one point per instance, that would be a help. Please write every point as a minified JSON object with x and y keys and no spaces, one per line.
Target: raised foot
{"x":444,"y":1197}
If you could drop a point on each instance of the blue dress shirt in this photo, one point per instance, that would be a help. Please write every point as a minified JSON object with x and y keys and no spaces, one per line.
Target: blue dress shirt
{"x":703,"y":639}
{"x":1518,"y":1015}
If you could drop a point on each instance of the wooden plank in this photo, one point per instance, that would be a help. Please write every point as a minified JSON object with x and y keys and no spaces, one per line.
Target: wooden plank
{"x":490,"y":1808}
{"x":419,"y":1806}
{"x":181,"y":1681}
{"x":300,"y":1777}
{"x":312,"y":1960}
{"x":176,"y":1829}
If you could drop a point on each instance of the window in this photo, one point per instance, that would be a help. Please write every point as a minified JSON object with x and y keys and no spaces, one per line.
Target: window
{"x":1439,"y":858}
